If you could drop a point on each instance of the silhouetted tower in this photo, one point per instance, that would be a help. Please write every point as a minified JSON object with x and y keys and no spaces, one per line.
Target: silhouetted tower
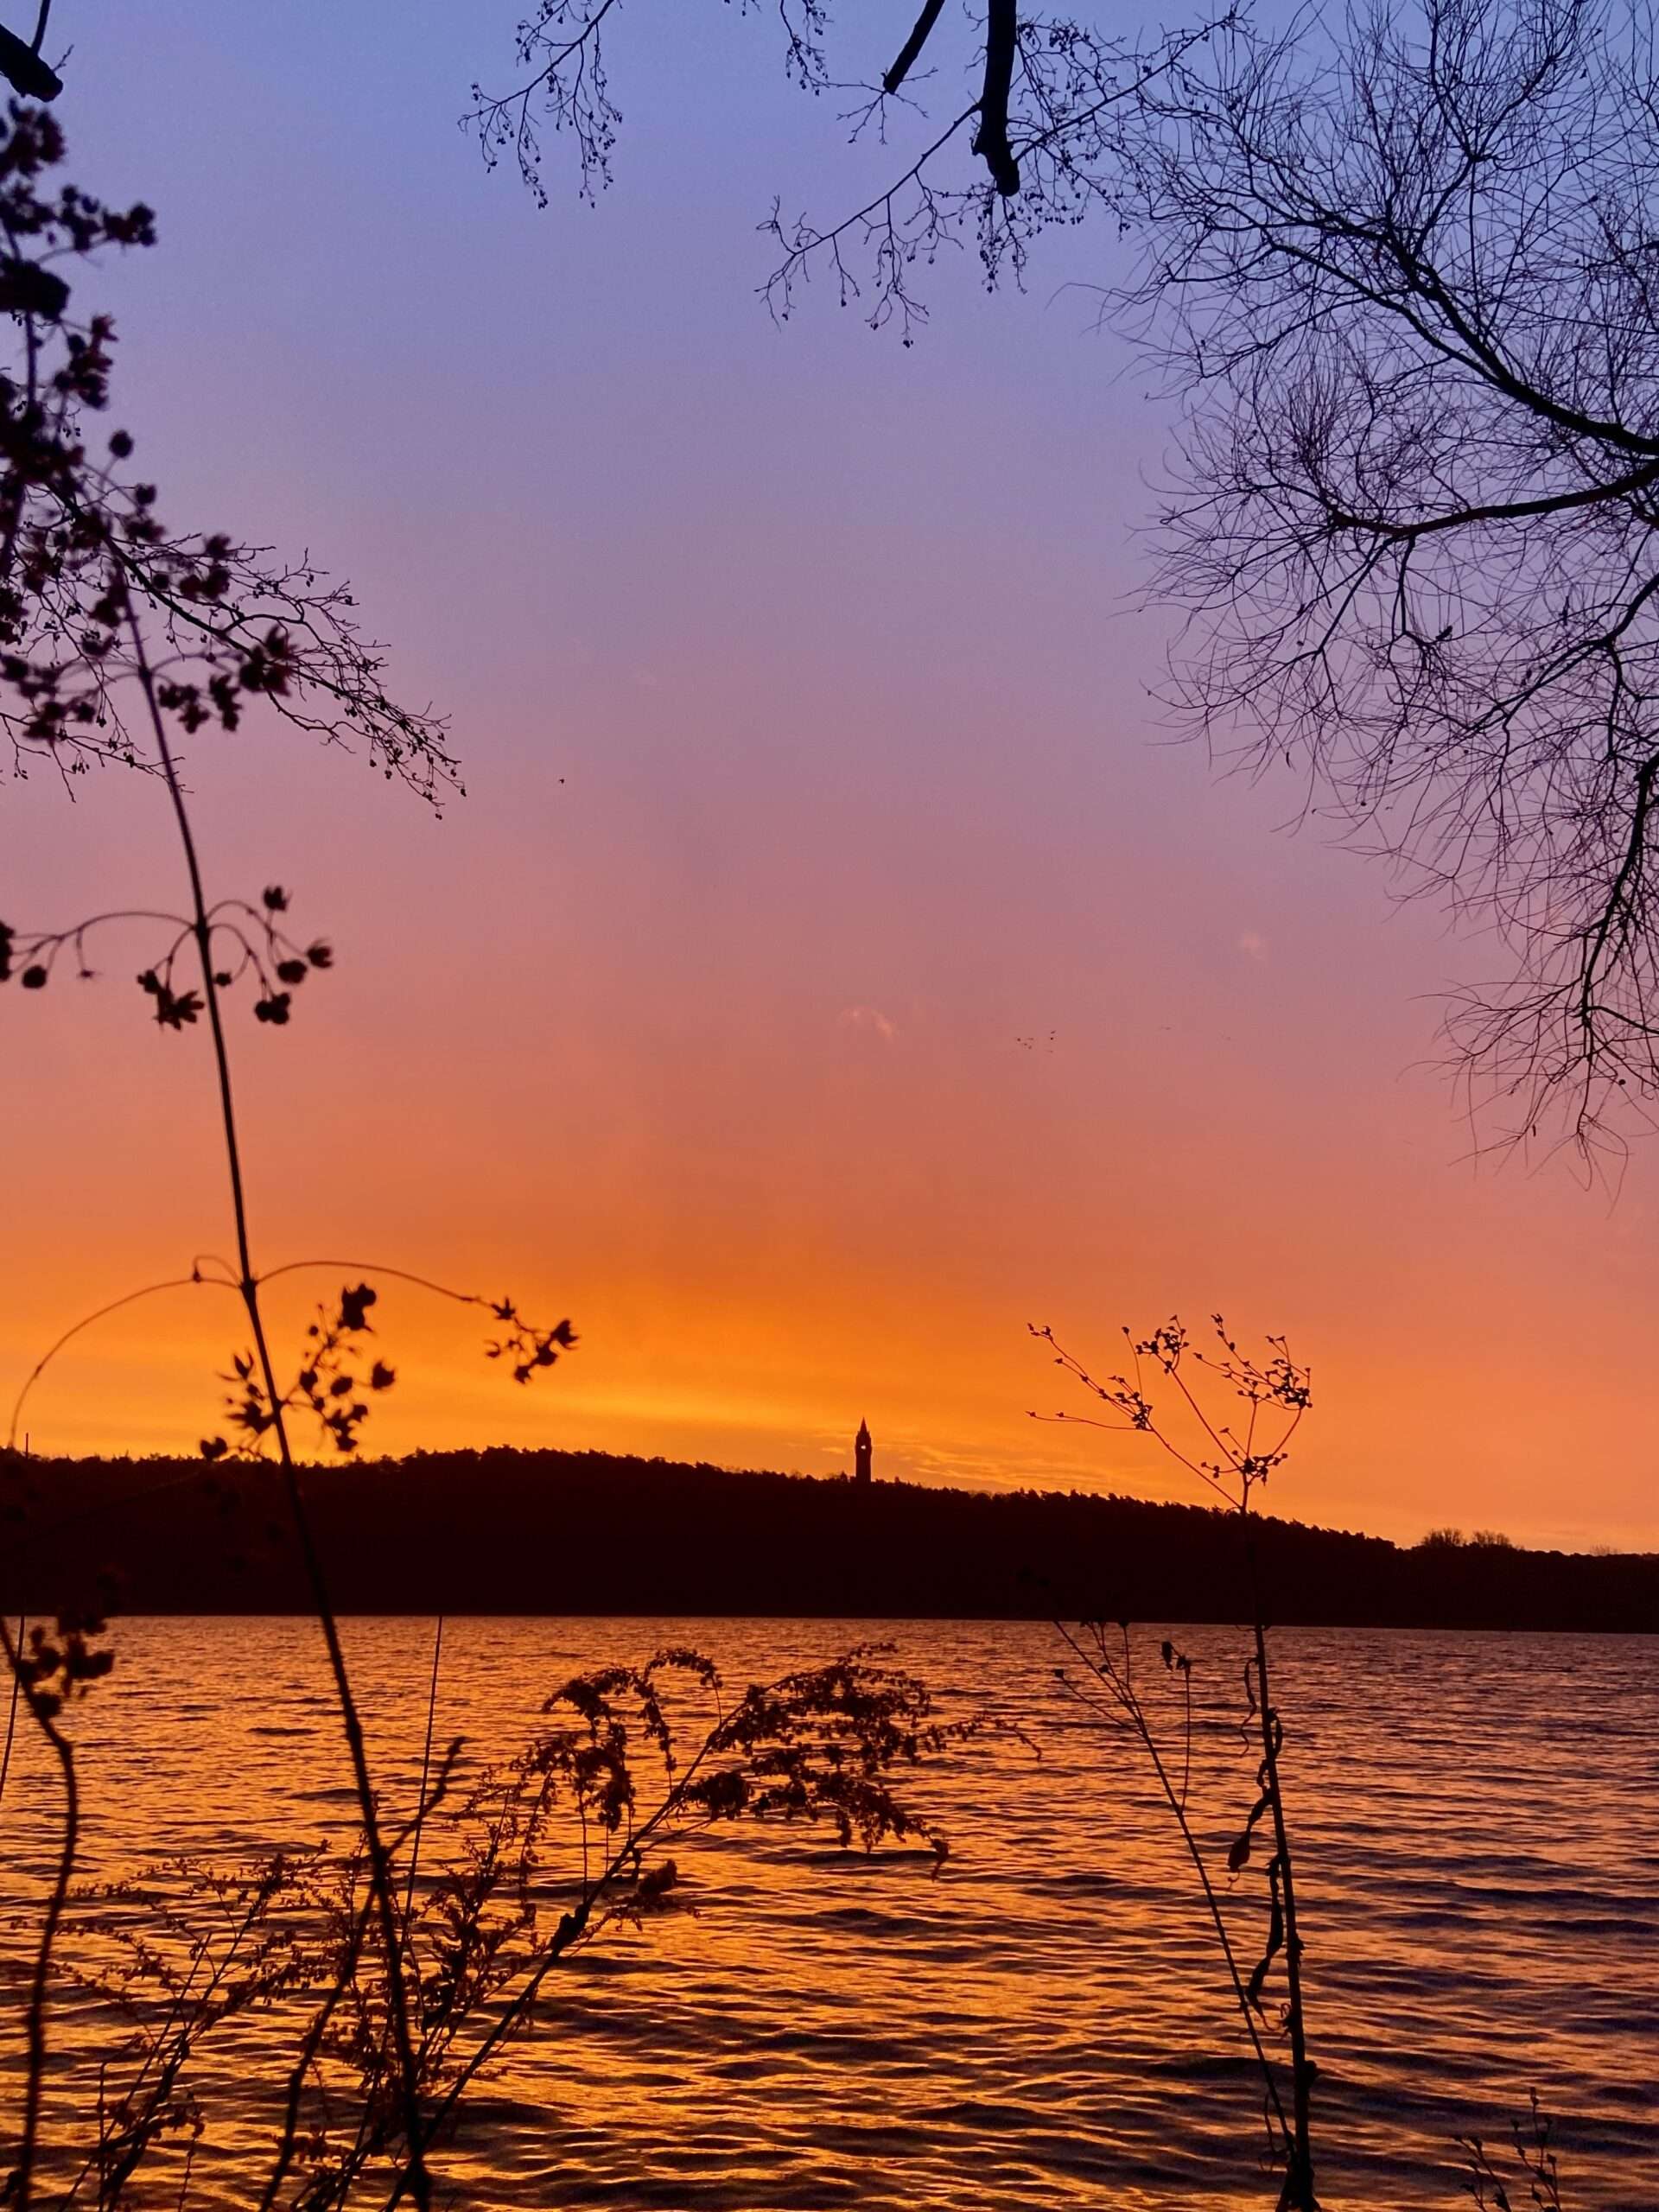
{"x":862,"y":1449}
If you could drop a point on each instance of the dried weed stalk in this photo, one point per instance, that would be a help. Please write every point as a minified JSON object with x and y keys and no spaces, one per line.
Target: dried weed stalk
{"x":1233,"y":1452}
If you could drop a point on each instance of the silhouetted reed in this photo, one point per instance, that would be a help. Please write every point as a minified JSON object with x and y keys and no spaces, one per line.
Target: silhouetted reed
{"x":1531,"y":2143}
{"x":1232,"y":1452}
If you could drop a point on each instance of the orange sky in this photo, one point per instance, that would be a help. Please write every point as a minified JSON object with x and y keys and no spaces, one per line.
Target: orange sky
{"x":832,"y":969}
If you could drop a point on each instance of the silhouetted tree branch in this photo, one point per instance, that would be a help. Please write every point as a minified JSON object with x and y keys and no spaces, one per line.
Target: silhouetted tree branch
{"x":1044,"y":94}
{"x":22,"y":65}
{"x":910,"y":53}
{"x":83,"y":552}
{"x":1401,"y":271}
{"x":991,"y":139}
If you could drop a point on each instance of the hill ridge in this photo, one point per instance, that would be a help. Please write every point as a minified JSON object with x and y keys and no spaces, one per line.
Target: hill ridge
{"x":501,"y":1529}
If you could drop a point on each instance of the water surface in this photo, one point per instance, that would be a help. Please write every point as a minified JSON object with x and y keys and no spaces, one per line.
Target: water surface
{"x":1045,"y":2025}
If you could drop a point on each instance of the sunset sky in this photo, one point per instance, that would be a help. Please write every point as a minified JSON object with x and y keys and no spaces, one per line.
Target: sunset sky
{"x":836,"y":964}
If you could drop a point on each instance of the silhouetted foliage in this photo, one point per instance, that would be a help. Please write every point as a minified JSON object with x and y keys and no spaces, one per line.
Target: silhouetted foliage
{"x":85,"y":558}
{"x":530,"y":1863}
{"x":60,"y":1663}
{"x":1533,"y":2153}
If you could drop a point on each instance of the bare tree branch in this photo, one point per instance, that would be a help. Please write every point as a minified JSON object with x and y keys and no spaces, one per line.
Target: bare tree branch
{"x":1044,"y":94}
{"x":22,"y":65}
{"x":1404,"y":275}
{"x":991,"y":140}
{"x":910,"y":51}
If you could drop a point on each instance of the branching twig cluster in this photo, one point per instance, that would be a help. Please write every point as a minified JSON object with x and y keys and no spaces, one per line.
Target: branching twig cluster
{"x":1534,"y":2154}
{"x":244,"y":938}
{"x":83,"y":553}
{"x":337,"y":1366}
{"x":1231,"y":1458}
{"x":1233,"y":1454}
{"x":1038,"y":110}
{"x":1400,"y":268}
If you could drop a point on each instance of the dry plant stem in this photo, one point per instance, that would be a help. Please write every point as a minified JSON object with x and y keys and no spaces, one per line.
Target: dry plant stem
{"x":1241,"y":1464}
{"x":426,"y":1769}
{"x":380,"y":1867}
{"x":572,"y":1925}
{"x":87,"y":1321}
{"x":35,"y":2030}
{"x":1178,"y":1808}
{"x":12,"y":1710}
{"x":423,"y":1804}
{"x":312,"y":2043}
{"x":308,"y":2052}
{"x":1299,"y":2178}
{"x":170,"y":2068}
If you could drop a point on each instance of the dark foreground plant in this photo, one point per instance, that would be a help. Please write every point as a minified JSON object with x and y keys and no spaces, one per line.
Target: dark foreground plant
{"x":1232,"y":1450}
{"x":530,"y":1863}
{"x":117,"y":636}
{"x":1533,"y":2153}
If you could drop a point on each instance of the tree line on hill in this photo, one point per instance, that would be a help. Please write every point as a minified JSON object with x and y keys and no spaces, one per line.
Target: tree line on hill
{"x":509,"y":1531}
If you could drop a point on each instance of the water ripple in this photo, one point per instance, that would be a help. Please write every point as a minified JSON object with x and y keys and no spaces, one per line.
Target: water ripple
{"x":1044,"y":2025}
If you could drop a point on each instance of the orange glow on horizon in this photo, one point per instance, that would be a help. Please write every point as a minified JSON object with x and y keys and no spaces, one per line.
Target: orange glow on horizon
{"x":832,"y":970}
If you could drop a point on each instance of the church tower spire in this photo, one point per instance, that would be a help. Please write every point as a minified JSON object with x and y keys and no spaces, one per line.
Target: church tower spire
{"x":861,"y":1451}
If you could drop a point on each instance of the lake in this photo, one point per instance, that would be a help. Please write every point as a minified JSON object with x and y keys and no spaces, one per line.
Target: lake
{"x":1046,"y":2023}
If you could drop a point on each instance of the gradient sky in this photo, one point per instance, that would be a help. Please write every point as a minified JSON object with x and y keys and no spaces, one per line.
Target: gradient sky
{"x":834,"y":965}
